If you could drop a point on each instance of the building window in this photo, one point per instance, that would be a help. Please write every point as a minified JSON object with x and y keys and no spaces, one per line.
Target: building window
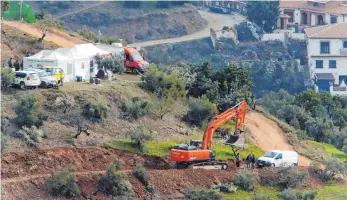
{"x":345,"y":44}
{"x":315,"y":4}
{"x":319,"y":63}
{"x":332,"y":63}
{"x":324,"y":47}
{"x":333,"y":20}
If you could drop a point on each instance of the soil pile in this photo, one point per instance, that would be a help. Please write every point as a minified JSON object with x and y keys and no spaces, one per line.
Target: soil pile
{"x":38,"y":162}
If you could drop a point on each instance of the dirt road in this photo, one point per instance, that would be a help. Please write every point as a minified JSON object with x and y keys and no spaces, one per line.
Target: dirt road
{"x":215,"y":21}
{"x":60,"y":38}
{"x":268,"y":135}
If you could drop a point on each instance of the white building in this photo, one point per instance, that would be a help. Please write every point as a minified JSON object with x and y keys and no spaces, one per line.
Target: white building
{"x":312,"y":12}
{"x":327,"y":57}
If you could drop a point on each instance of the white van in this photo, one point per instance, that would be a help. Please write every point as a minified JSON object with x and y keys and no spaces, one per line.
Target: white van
{"x":278,"y":158}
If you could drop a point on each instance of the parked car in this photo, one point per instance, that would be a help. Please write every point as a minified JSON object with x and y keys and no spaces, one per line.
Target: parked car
{"x":46,"y":79}
{"x":56,"y":72}
{"x":27,"y":79}
{"x":277,"y":158}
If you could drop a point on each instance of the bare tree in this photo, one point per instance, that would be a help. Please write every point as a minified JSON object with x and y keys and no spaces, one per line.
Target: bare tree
{"x":47,"y":23}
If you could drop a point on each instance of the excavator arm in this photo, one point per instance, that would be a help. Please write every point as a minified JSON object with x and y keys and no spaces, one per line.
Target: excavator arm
{"x":238,"y":111}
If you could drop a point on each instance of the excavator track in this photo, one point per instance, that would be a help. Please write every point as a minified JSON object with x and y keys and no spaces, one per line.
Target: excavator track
{"x":210,"y":165}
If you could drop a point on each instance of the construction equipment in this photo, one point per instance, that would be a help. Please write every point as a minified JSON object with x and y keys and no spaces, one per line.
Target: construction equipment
{"x":199,"y":154}
{"x":133,"y":61}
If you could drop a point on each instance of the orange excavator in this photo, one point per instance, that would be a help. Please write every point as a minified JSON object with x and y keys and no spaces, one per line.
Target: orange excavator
{"x":199,"y":154}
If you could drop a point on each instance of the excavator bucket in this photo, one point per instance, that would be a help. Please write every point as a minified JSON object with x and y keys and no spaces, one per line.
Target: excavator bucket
{"x":235,"y":140}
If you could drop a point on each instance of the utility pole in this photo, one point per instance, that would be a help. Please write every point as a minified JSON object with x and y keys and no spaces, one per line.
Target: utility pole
{"x":20,"y":11}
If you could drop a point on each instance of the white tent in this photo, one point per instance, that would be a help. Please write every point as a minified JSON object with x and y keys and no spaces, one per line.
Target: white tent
{"x":74,"y":62}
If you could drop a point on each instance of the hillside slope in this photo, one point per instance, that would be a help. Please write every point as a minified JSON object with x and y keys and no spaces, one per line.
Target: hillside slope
{"x":267,"y":135}
{"x":60,"y":38}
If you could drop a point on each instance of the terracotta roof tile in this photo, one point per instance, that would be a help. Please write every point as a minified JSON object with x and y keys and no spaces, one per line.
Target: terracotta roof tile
{"x":330,"y":6}
{"x":331,"y":31}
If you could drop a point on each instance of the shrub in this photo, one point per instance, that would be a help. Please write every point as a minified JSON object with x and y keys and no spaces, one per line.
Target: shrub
{"x":283,"y":177}
{"x":7,"y":77}
{"x":141,"y":173}
{"x":114,"y":183}
{"x":139,"y":136}
{"x":96,"y":109}
{"x":31,"y":136}
{"x":200,"y":111}
{"x":163,"y":84}
{"x":244,"y":34}
{"x":62,"y":183}
{"x":117,"y":164}
{"x":29,"y":111}
{"x":201,"y":194}
{"x":332,"y":167}
{"x":227,"y":188}
{"x":64,"y":102}
{"x":290,"y":194}
{"x":135,"y":108}
{"x":246,"y":180}
{"x":114,"y":64}
{"x":260,"y":196}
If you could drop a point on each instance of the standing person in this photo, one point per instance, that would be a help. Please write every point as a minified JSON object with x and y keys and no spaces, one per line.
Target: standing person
{"x":16,"y":65}
{"x":253,"y":161}
{"x":10,"y":63}
{"x":238,"y":160}
{"x":21,"y":65}
{"x":248,"y":161}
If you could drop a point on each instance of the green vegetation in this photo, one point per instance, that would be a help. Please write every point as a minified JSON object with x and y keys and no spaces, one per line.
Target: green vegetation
{"x":224,"y":152}
{"x":243,"y":195}
{"x":244,"y":34}
{"x":96,"y":109}
{"x":31,"y":136}
{"x":139,"y":136}
{"x":316,"y":115}
{"x":225,"y":87}
{"x":163,"y":85}
{"x":226,"y":188}
{"x":260,"y":196}
{"x":263,"y":13}
{"x":141,"y":173}
{"x":200,"y":111}
{"x":114,"y":183}
{"x":159,"y":148}
{"x":201,"y":194}
{"x":7,"y":77}
{"x":246,"y":180}
{"x":283,"y":178}
{"x":135,"y":108}
{"x":330,"y":150}
{"x":29,"y":110}
{"x":332,"y":168}
{"x":290,"y":194}
{"x":336,"y":192}
{"x":62,"y":183}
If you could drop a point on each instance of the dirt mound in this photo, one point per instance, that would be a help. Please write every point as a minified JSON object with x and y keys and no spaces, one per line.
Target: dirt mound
{"x":40,"y":162}
{"x":268,"y":135}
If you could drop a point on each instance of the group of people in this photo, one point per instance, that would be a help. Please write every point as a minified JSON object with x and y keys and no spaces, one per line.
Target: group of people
{"x":16,"y":65}
{"x":250,"y":161}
